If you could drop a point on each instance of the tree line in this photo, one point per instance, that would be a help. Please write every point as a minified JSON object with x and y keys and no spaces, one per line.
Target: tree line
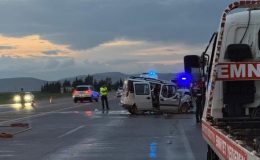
{"x":67,"y":86}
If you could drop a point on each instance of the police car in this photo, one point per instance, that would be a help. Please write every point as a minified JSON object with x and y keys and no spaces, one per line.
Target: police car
{"x":85,"y":93}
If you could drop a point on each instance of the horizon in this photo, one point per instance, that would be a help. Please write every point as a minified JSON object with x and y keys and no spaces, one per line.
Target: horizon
{"x":75,"y":76}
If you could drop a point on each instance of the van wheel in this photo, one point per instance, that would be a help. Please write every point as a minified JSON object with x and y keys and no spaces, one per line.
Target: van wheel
{"x":184,"y":108}
{"x":75,"y":101}
{"x":131,"y":111}
{"x":136,"y":111}
{"x":256,"y":113}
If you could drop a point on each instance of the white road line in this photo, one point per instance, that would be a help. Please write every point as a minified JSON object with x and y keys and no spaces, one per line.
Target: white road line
{"x":4,"y":105}
{"x":71,"y":131}
{"x":6,"y":155}
{"x":41,"y":114}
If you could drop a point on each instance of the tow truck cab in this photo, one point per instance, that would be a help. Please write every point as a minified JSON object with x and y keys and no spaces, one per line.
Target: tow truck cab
{"x":231,"y":117}
{"x":237,"y":90}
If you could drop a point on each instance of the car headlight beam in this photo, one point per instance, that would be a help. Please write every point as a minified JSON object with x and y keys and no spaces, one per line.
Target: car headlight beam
{"x":27,"y":98}
{"x":17,"y":98}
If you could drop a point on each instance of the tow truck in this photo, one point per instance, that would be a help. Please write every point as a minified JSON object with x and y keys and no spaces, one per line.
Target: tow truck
{"x":231,"y":117}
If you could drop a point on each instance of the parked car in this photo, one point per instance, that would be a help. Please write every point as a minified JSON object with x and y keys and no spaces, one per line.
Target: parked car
{"x":85,"y":93}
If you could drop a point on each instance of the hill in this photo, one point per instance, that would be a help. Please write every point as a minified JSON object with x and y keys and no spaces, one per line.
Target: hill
{"x":15,"y":84}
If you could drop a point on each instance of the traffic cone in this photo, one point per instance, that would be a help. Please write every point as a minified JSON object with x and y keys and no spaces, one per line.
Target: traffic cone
{"x":50,"y":100}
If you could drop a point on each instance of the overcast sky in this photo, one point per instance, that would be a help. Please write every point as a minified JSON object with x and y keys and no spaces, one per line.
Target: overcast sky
{"x":53,"y":39}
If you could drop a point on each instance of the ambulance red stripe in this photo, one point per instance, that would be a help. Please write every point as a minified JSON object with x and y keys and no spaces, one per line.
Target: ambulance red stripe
{"x":227,"y":148}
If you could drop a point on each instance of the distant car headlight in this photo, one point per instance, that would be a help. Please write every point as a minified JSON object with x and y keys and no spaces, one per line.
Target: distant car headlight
{"x":28,"y":98}
{"x":17,"y":98}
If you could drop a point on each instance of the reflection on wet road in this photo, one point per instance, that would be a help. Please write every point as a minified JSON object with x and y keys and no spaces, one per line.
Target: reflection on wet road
{"x":82,"y":131}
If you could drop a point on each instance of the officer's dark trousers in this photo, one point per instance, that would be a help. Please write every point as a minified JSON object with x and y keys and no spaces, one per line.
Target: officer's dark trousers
{"x":199,"y":109}
{"x":104,"y":100}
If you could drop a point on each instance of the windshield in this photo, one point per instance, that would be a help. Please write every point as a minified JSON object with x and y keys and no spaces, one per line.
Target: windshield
{"x":82,"y":88}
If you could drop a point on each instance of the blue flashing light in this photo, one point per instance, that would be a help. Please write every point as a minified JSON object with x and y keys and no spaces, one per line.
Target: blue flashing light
{"x":183,"y":80}
{"x":150,"y":74}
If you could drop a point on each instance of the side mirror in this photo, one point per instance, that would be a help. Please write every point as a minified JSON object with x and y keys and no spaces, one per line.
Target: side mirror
{"x":192,"y":66}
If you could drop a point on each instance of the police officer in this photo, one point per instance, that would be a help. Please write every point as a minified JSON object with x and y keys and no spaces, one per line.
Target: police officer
{"x":199,"y":96}
{"x":103,"y":93}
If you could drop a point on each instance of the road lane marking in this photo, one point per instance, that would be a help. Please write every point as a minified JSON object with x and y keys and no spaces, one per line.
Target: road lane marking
{"x":71,"y":131}
{"x":6,"y":155}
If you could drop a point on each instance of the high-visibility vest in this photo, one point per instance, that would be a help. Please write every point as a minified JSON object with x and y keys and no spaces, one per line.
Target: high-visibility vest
{"x":103,"y":91}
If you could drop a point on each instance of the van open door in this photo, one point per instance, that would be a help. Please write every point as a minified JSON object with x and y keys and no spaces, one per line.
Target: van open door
{"x":169,"y":100}
{"x":143,"y":98}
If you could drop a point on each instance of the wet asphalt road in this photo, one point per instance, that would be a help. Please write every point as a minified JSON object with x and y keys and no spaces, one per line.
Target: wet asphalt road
{"x":67,"y":131}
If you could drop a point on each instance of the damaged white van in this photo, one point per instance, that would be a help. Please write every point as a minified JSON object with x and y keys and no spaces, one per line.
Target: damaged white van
{"x":142,"y":94}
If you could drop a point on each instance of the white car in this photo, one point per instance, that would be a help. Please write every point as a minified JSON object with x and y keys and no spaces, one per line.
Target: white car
{"x":83,"y":93}
{"x":186,"y":101}
{"x":119,"y":92}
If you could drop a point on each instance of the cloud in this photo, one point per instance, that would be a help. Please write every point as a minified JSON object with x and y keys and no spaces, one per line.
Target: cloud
{"x":51,"y":52}
{"x":87,"y":24}
{"x":122,"y":62}
{"x":70,"y":37}
{"x":120,"y":43}
{"x":32,"y":46}
{"x":67,"y":63}
{"x":6,"y":47}
{"x":165,"y":62}
{"x":140,"y":57}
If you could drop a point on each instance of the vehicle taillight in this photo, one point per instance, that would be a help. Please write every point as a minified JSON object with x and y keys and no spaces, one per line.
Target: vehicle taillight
{"x":75,"y":92}
{"x":88,"y":92}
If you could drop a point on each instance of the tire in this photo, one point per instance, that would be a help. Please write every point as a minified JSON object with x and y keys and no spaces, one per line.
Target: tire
{"x":256,"y":113}
{"x":96,"y":100}
{"x":136,"y":111}
{"x":211,"y":155}
{"x":91,"y":99}
{"x":131,"y":111}
{"x":75,"y":101}
{"x":184,"y":108}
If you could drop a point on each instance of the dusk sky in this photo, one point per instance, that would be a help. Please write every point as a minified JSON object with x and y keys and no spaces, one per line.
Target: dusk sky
{"x":53,"y":39}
